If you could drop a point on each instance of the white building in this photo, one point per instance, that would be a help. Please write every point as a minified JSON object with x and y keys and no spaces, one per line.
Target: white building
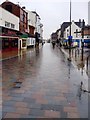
{"x":38,"y":25}
{"x":58,"y":34}
{"x":34,"y":22}
{"x":89,"y":13}
{"x":8,"y":20}
{"x":31,"y":19}
{"x":31,"y":23}
{"x":74,"y":28}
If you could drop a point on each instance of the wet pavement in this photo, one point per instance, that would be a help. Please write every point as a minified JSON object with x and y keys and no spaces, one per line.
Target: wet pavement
{"x":42,"y":84}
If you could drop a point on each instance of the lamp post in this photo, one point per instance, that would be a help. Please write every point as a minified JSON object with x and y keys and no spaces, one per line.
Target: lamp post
{"x":70,"y":37}
{"x":82,"y":41}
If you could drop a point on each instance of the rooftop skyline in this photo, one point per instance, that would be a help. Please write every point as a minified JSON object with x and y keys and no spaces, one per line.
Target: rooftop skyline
{"x":54,"y":12}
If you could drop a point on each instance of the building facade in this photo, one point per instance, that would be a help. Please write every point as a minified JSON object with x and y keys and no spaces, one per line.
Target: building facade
{"x":75,"y":28}
{"x":23,"y":23}
{"x":58,"y":34}
{"x":41,"y":33}
{"x":76,"y":32}
{"x":31,"y":29}
{"x":9,"y":26}
{"x":38,"y":28}
{"x":87,"y":36}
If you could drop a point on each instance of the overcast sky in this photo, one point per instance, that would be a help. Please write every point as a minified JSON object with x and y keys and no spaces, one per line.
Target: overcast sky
{"x":54,"y":12}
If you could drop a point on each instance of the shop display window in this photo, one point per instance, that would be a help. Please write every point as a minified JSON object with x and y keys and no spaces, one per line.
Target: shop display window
{"x":23,"y":43}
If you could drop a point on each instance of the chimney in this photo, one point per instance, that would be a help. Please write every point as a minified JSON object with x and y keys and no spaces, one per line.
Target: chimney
{"x":79,"y":20}
{"x":6,"y":0}
{"x":80,"y":23}
{"x":23,"y":7}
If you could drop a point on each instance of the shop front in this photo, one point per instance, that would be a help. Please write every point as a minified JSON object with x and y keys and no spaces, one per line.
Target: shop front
{"x":9,"y":40}
{"x":23,"y":41}
{"x":9,"y":43}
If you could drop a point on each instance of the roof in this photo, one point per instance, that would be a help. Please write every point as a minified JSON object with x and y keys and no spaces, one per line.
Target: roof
{"x":7,"y":1}
{"x":64,"y":25}
{"x":67,"y":24}
{"x":58,"y":30}
{"x":78,"y":24}
{"x":35,"y":13}
{"x":87,"y":27}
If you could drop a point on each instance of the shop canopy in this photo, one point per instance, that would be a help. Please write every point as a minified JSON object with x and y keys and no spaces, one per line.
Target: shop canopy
{"x":24,"y":36}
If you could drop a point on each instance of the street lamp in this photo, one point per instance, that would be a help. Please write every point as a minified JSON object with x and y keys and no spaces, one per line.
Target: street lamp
{"x":82,"y":41}
{"x":70,"y":37}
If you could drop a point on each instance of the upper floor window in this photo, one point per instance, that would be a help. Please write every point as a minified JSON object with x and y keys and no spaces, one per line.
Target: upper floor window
{"x":21,"y":17}
{"x":7,"y":24}
{"x":12,"y":25}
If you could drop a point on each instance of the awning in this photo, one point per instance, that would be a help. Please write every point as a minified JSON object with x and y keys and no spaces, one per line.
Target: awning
{"x":22,"y":35}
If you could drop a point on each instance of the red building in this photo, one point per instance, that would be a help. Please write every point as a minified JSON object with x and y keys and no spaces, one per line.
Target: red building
{"x":87,"y":31}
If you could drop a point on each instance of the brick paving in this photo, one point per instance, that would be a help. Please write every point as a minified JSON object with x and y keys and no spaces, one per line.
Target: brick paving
{"x":46,"y":90}
{"x":76,"y":56}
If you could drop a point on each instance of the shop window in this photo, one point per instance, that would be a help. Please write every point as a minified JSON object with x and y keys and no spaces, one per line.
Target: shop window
{"x":14,"y":43}
{"x":12,"y":25}
{"x":23,"y":43}
{"x":5,"y":43}
{"x":7,"y":24}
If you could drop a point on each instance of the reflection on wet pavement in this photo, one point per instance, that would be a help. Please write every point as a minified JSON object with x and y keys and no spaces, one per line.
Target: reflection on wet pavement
{"x":48,"y":86}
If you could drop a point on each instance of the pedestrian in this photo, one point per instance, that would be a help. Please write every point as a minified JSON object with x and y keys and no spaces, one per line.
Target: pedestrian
{"x":42,"y":43}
